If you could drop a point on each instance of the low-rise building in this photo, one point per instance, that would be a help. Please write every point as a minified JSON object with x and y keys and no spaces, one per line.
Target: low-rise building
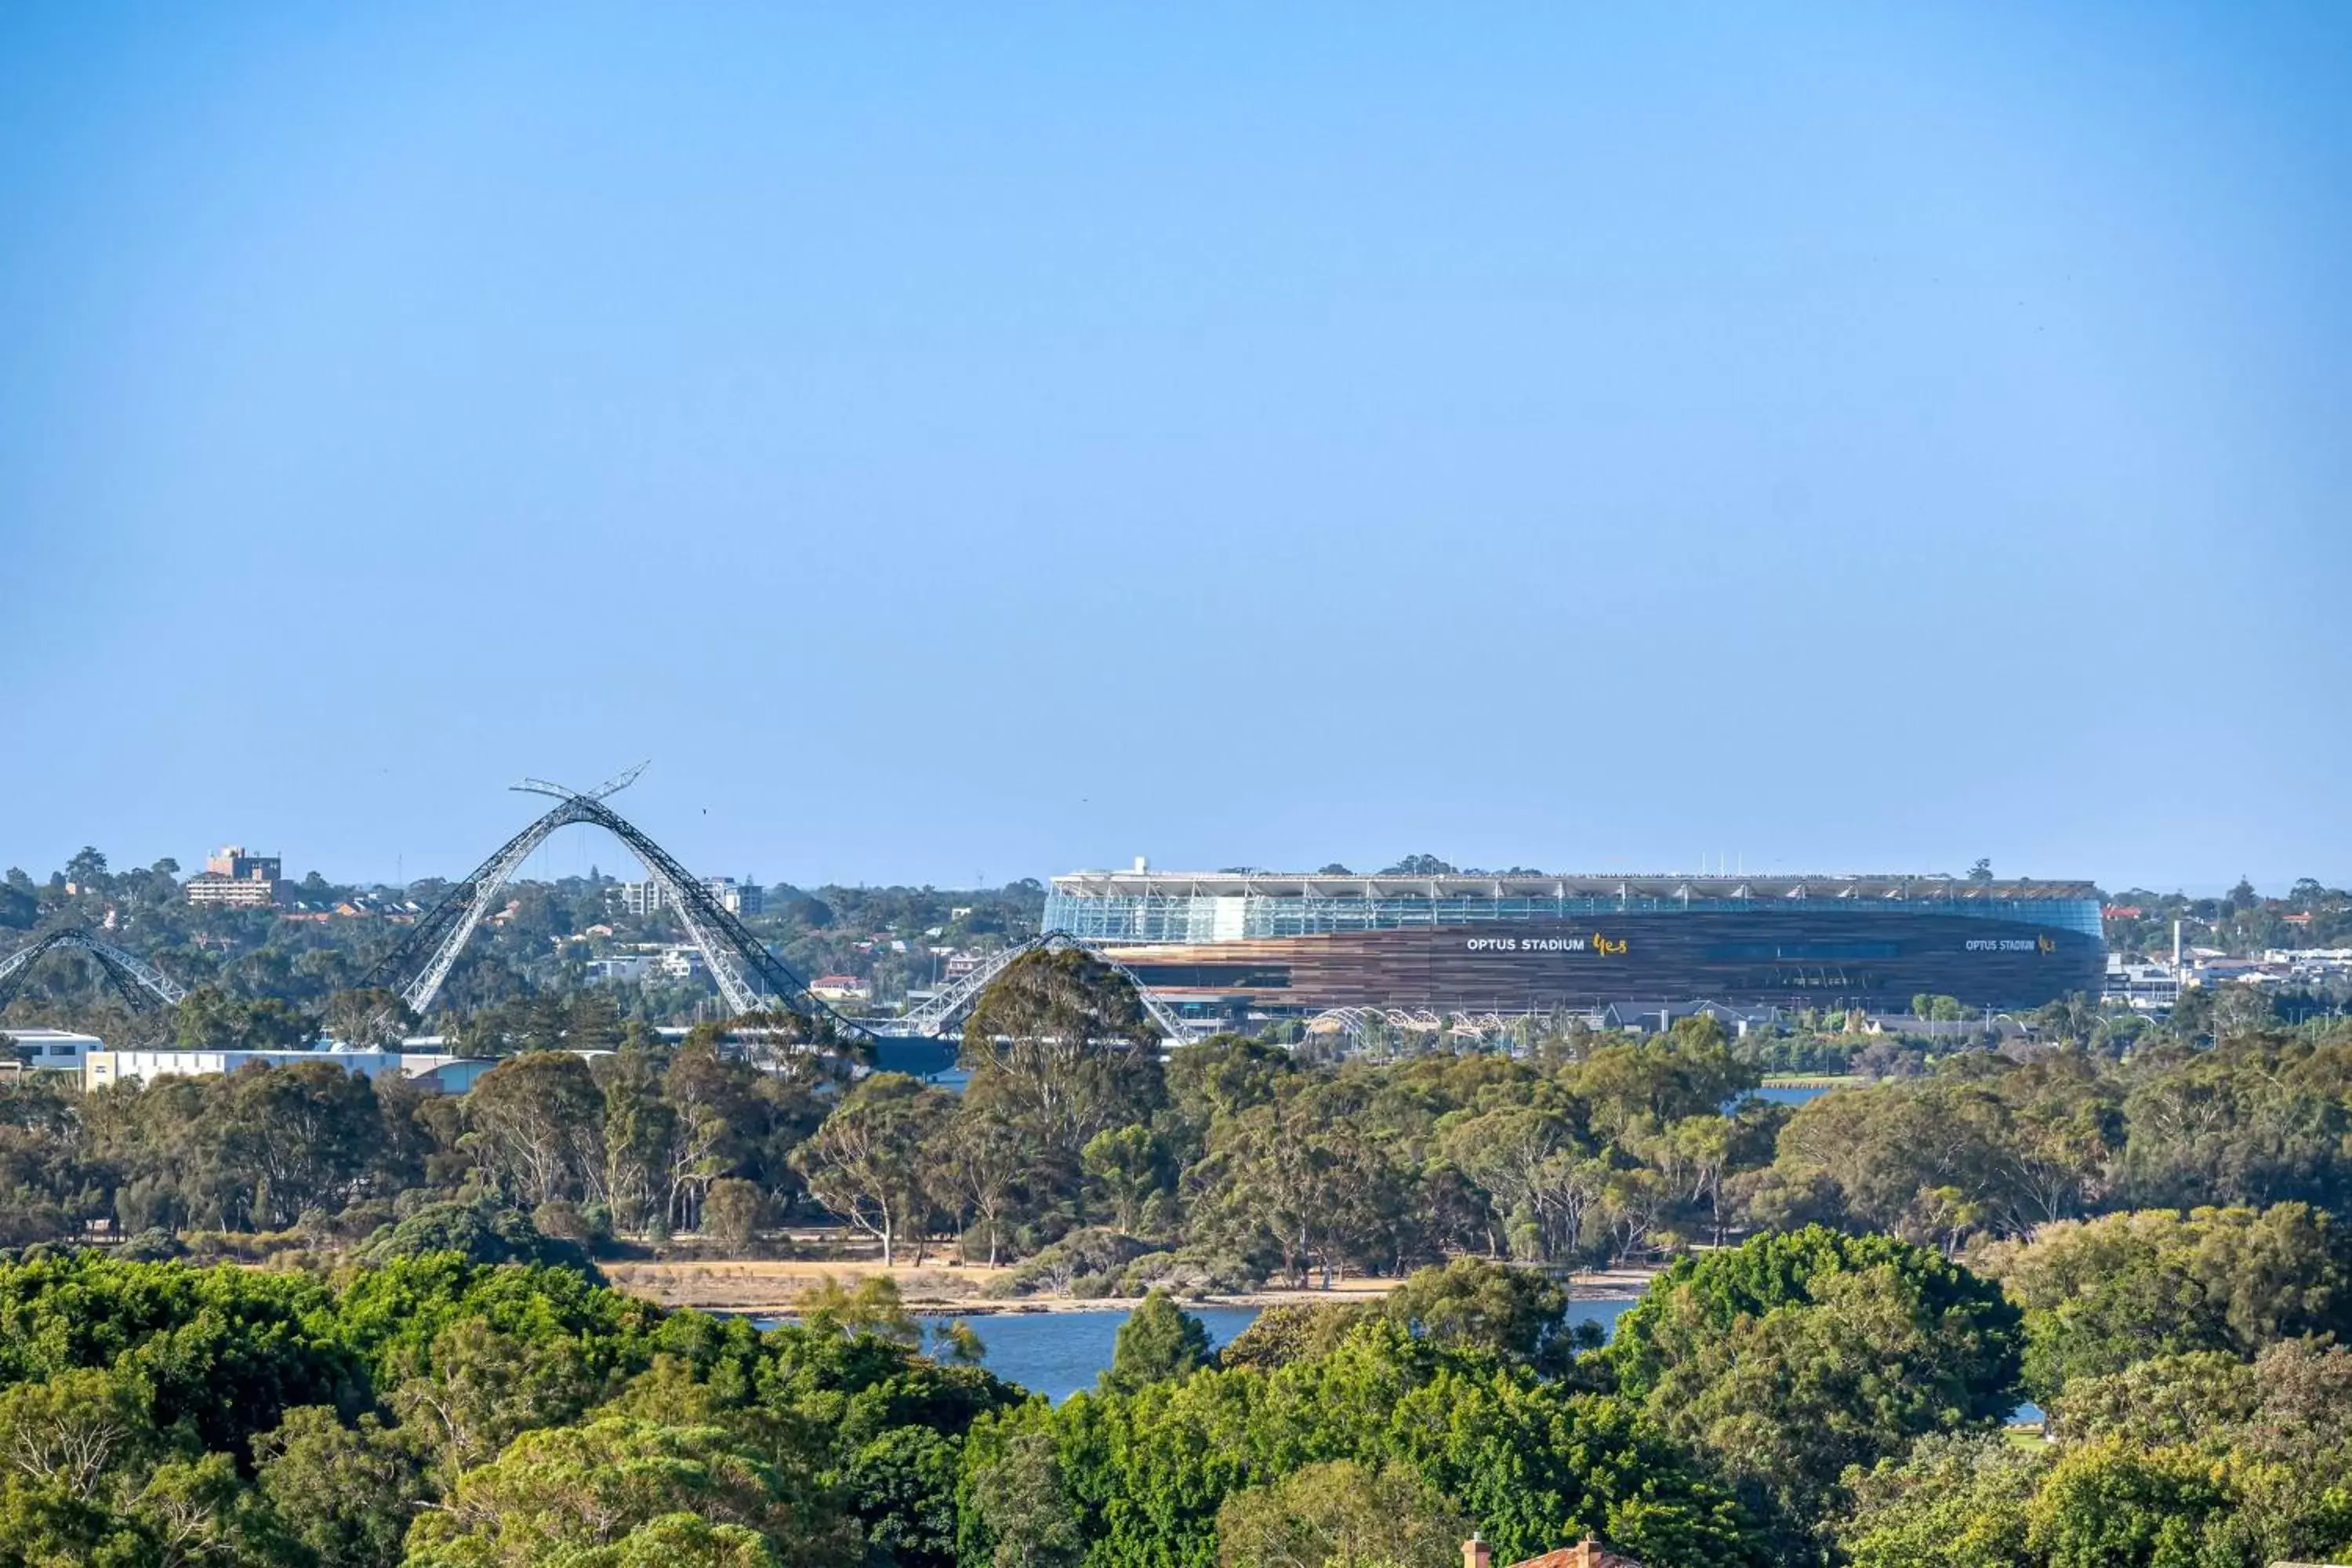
{"x":234,"y":878}
{"x":840,"y":988}
{"x":2144,"y":987}
{"x":1586,"y":1554}
{"x":48,"y":1050}
{"x":450,"y":1074}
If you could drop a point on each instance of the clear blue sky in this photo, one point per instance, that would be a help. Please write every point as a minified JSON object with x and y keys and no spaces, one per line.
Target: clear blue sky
{"x":992,"y":440}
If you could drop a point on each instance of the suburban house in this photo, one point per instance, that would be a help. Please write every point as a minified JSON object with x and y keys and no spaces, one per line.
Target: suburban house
{"x":1586,"y":1554}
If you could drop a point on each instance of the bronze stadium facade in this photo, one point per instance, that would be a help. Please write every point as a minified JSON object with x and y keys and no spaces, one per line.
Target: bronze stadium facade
{"x":1241,"y":944}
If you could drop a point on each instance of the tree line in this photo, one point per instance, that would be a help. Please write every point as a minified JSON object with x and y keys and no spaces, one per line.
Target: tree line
{"x":1080,"y":1154}
{"x":1809,"y":1397}
{"x":331,"y":935}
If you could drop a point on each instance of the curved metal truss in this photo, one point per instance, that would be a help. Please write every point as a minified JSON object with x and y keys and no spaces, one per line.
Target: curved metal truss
{"x":747,"y":975}
{"x":1356,"y":1022}
{"x":139,"y":982}
{"x":933,"y":1018}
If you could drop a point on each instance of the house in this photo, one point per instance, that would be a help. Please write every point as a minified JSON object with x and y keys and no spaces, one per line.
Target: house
{"x":840,"y":988}
{"x":1586,"y":1554}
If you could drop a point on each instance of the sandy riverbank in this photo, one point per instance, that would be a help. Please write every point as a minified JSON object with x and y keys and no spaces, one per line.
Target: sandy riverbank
{"x":763,"y":1286}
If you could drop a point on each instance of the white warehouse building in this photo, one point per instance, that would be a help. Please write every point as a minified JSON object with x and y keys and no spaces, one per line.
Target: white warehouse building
{"x":451,"y":1074}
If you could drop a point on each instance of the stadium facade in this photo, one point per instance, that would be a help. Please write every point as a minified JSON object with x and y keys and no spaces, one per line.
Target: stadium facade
{"x":1241,"y":944}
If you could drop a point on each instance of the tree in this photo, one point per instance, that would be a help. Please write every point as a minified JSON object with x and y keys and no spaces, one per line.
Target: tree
{"x":1287,"y":1333}
{"x":346,"y":1493}
{"x":709,"y":1098}
{"x":476,"y":1388}
{"x":534,"y":1123}
{"x":1533,"y":1461}
{"x":1060,"y":1042}
{"x":1340,"y":1514}
{"x":1954,"y":1501}
{"x":223,"y":1351}
{"x":371,"y":1017}
{"x":1515,"y":1314}
{"x":208,"y":1018}
{"x":1302,"y":1177}
{"x":1536,"y":1174}
{"x":2100,"y":1294}
{"x":733,"y":1211}
{"x":1018,"y":1511}
{"x":479,"y":1233}
{"x":567,"y":1488}
{"x":1793,"y":1357}
{"x":678,"y":1541}
{"x":1128,"y":1168}
{"x":1159,"y":1341}
{"x":282,"y":1141}
{"x":2292,"y":1404}
{"x":871,"y":1307}
{"x":1689,"y":1070}
{"x":72,"y":1430}
{"x":1220,"y":1076}
{"x":869,"y":1164}
{"x":2109,"y":1502}
{"x":984,"y":1160}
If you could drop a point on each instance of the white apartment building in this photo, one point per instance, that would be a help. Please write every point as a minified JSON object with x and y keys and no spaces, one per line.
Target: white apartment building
{"x":234,"y":878}
{"x":643,"y":899}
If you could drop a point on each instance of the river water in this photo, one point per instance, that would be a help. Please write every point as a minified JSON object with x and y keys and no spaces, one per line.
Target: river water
{"x":1058,"y":1353}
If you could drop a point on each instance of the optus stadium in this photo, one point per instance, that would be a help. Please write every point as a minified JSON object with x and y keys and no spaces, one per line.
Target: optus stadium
{"x":1243,"y":944}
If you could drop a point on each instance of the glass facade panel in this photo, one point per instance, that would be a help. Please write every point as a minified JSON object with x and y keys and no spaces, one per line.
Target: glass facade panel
{"x":1179,"y":917}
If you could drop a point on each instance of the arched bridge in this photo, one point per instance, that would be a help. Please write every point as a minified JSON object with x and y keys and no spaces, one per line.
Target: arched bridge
{"x":747,"y":975}
{"x":750,"y":978}
{"x":940,"y":1017}
{"x":136,"y":981}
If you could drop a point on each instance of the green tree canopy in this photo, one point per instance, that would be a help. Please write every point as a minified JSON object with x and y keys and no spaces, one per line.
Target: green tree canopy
{"x":2100,"y":1294}
{"x":1160,"y":1339}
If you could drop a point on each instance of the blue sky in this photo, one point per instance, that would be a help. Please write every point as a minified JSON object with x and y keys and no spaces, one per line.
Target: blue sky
{"x":985,"y":441}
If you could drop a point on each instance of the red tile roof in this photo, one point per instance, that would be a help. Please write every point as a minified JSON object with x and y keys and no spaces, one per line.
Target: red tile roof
{"x":1586,"y":1554}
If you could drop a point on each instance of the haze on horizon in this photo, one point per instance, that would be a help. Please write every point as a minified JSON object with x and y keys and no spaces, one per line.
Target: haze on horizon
{"x":965,"y":446}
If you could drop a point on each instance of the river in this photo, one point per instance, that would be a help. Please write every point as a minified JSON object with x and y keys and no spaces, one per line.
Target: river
{"x":1058,"y":1353}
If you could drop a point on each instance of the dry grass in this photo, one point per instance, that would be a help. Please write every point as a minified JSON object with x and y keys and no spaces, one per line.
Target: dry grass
{"x":754,"y":1285}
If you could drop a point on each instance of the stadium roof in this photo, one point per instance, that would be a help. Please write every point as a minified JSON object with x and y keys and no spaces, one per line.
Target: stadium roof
{"x":1550,"y":885}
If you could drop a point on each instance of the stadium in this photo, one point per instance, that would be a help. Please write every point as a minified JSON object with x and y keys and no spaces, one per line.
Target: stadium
{"x":1237,"y":944}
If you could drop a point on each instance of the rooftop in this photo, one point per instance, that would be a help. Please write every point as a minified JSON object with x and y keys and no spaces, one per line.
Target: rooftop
{"x":1665,"y":885}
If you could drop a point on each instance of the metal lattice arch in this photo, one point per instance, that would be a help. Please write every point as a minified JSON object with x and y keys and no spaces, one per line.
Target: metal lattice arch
{"x":747,"y":975}
{"x":1355,"y":1023}
{"x":137,"y":982}
{"x":942,"y":1012}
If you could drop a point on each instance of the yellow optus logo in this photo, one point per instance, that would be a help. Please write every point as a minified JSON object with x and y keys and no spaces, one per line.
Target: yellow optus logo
{"x":1603,"y":944}
{"x":2048,"y":944}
